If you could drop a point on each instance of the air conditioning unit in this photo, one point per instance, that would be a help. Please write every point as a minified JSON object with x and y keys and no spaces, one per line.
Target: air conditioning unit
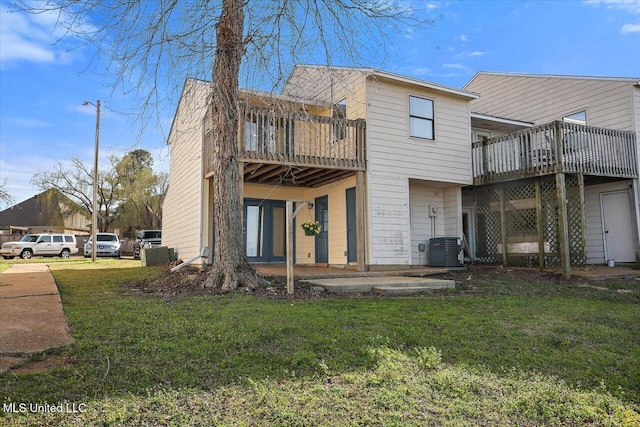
{"x":444,"y":251}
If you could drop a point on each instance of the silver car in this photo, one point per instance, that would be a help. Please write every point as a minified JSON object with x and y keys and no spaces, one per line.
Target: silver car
{"x":108,"y":245}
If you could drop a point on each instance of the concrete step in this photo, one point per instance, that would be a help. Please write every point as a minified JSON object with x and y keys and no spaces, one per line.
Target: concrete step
{"x":394,"y":291}
{"x":368,"y":284}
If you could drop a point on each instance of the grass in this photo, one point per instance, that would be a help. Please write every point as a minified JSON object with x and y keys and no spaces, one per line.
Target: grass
{"x":514,"y":352}
{"x":72,"y":263}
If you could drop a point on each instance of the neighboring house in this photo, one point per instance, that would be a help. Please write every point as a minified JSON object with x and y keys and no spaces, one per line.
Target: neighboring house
{"x":374,"y":152}
{"x":555,"y":170}
{"x":49,"y":211}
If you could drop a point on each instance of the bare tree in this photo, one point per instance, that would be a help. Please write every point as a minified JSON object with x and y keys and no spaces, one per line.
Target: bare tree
{"x":4,"y":194}
{"x":159,"y":41}
{"x":76,"y":182}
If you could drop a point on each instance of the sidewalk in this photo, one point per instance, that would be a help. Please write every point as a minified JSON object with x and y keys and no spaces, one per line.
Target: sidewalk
{"x":31,"y":316}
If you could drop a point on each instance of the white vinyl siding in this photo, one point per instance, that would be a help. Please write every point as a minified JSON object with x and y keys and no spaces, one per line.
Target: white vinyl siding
{"x":328,"y":87}
{"x":181,"y":215}
{"x":394,"y":158}
{"x":390,"y":150}
{"x":543,"y":99}
{"x":447,"y":223}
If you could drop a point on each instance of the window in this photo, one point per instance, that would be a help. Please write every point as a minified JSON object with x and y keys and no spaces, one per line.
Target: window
{"x":68,"y":239}
{"x":45,"y":239}
{"x":579,"y":118}
{"x":340,"y":112}
{"x":260,"y":133}
{"x":254,"y":217}
{"x":57,"y":239}
{"x":420,"y":117}
{"x":480,"y":134}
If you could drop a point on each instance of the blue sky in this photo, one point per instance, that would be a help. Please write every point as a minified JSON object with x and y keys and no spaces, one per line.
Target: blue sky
{"x":45,"y":79}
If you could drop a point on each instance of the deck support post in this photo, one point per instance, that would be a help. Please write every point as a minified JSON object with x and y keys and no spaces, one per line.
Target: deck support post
{"x":563,"y":225}
{"x":290,"y":215}
{"x":539,"y":225}
{"x":289,"y":240}
{"x":583,"y":215}
{"x":503,"y":228}
{"x":360,"y":221}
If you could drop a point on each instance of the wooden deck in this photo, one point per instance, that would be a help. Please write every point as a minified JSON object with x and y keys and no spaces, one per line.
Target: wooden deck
{"x":552,"y":148}
{"x":285,"y":147}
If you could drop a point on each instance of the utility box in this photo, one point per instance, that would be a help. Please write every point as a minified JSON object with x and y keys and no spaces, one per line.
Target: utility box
{"x":155,"y":256}
{"x":445,"y":251}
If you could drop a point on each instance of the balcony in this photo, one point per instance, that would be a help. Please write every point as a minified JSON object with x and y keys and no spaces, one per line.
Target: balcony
{"x":555,"y":148}
{"x":278,"y":146}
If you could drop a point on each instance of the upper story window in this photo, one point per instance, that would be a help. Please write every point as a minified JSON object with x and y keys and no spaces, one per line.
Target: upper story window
{"x":579,"y":118}
{"x":480,"y":134}
{"x":340,"y":112}
{"x":260,"y":133}
{"x":420,"y":117}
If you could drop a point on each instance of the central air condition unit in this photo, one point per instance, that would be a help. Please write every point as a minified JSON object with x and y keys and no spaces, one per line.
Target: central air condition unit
{"x":444,"y":251}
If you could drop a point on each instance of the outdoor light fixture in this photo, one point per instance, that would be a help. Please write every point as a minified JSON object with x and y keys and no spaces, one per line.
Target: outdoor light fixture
{"x":94,"y":219}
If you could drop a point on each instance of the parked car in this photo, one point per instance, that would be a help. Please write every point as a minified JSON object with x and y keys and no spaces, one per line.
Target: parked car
{"x":108,"y":245}
{"x":146,"y":239}
{"x":30,"y":245}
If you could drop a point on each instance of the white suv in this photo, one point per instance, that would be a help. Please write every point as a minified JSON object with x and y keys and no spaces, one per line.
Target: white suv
{"x":30,"y":245}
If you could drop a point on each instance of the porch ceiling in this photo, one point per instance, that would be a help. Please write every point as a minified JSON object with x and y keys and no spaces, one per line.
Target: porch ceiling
{"x":294,"y":175}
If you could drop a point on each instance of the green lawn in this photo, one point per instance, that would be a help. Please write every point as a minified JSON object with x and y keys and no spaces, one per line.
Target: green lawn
{"x":513,"y":351}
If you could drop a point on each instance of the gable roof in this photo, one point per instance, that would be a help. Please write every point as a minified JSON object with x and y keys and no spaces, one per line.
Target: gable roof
{"x":398,"y":78}
{"x":44,"y":209}
{"x":633,"y":80}
{"x":195,"y":93}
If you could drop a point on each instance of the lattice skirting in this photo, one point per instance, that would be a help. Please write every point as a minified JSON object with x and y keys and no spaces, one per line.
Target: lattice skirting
{"x":525,"y":210}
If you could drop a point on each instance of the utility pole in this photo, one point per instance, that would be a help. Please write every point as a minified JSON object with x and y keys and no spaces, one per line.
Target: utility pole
{"x":94,"y":219}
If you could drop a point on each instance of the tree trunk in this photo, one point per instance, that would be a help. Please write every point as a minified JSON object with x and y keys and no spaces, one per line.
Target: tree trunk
{"x":230,"y":265}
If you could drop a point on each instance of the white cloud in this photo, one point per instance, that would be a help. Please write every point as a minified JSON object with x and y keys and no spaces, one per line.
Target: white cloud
{"x":32,"y":38}
{"x":630,"y":28}
{"x":28,"y":123}
{"x":473,"y":54}
{"x":454,"y":66}
{"x":420,"y":71}
{"x":462,"y":37}
{"x":432,"y":6}
{"x":632,"y":6}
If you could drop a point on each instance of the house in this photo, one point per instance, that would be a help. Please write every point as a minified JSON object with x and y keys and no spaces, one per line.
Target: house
{"x":555,"y":170}
{"x":381,"y":158}
{"x":49,"y":211}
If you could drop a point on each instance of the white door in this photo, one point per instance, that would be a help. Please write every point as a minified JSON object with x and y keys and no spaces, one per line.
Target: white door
{"x":617,"y":226}
{"x":469,"y":231}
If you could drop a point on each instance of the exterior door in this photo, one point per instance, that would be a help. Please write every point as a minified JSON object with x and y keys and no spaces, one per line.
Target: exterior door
{"x":322,"y":239}
{"x":469,"y":231}
{"x":264,"y":230}
{"x":617,"y":226}
{"x":351,"y":225}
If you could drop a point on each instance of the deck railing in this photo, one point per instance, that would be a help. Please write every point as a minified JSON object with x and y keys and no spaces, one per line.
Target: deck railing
{"x":553,"y":148}
{"x":292,"y":138}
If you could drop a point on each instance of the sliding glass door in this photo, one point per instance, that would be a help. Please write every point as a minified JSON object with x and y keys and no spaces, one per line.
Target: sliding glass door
{"x":265,"y":230}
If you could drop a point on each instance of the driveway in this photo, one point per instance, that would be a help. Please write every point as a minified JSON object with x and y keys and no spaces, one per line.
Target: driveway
{"x":31,"y":316}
